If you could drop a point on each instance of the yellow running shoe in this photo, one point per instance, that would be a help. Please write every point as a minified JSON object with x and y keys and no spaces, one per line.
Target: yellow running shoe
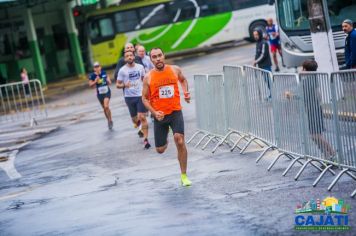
{"x":185,"y":181}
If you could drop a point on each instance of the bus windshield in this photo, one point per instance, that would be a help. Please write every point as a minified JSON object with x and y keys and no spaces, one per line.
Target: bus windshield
{"x":293,"y":14}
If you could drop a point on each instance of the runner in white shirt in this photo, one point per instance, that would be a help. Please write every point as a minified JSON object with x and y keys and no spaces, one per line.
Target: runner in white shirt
{"x":130,"y":79}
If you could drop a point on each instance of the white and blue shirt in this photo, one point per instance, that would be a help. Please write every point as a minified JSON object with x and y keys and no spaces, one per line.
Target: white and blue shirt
{"x":135,"y":75}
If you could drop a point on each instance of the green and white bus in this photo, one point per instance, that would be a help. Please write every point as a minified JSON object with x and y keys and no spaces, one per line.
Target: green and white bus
{"x":294,"y":28}
{"x":175,"y":26}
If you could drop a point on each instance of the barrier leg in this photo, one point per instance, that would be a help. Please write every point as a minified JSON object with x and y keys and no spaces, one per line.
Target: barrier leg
{"x":194,"y":135}
{"x":321,"y":175}
{"x":274,"y":161}
{"x":235,"y":145}
{"x":201,"y":140}
{"x":260,"y":145}
{"x":320,"y":169}
{"x":351,"y":175}
{"x":222,"y":141}
{"x":292,"y":164}
{"x":211,"y":138}
{"x":246,"y":146}
{"x":33,"y":122}
{"x":264,"y":152}
{"x":353,"y":194}
{"x":337,"y":179}
{"x":302,"y":169}
{"x":227,"y":142}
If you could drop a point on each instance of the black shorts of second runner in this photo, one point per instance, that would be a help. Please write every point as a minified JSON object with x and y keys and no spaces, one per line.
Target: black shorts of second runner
{"x":135,"y":105}
{"x":101,"y":97}
{"x":161,"y":128}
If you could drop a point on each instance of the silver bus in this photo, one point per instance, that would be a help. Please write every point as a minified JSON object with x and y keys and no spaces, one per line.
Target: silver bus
{"x":292,"y":16}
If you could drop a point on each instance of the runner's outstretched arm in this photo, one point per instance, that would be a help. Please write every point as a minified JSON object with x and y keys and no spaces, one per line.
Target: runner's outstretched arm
{"x":183,"y":82}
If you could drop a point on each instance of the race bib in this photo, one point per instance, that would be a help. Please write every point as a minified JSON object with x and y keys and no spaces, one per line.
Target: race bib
{"x":103,"y":89}
{"x":166,"y":91}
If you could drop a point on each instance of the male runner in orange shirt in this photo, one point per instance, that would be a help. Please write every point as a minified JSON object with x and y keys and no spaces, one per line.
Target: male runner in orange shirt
{"x":161,"y":96}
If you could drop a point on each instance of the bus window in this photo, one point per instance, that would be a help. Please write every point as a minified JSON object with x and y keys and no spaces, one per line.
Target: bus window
{"x":153,"y":16}
{"x":211,"y":7}
{"x":241,"y":4}
{"x":101,"y":28}
{"x":106,"y":27}
{"x":184,"y":10}
{"x":126,"y":21}
{"x":293,"y":14}
{"x":339,"y":10}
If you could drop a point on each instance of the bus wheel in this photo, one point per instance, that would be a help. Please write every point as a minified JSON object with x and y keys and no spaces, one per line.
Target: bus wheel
{"x":257,"y":25}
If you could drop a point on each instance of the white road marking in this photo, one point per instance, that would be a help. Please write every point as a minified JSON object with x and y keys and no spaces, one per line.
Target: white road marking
{"x":9,"y":166}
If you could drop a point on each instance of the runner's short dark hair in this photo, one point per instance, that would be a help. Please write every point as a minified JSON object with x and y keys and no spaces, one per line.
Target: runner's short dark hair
{"x":310,"y":65}
{"x":156,"y":49}
{"x":128,"y":51}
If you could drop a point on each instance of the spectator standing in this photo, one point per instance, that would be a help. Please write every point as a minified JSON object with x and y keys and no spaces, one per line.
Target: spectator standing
{"x":262,"y":57}
{"x":350,"y":44}
{"x":25,"y":81}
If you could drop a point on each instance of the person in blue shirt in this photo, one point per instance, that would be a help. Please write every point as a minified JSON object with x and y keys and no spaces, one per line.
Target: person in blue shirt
{"x":274,"y":41}
{"x":350,"y":44}
{"x":101,"y":81}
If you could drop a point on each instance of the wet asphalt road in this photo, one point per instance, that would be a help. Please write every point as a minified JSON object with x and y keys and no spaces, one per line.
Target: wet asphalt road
{"x":82,"y":179}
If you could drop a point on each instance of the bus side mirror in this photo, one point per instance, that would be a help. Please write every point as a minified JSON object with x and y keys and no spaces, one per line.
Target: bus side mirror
{"x":271,"y":2}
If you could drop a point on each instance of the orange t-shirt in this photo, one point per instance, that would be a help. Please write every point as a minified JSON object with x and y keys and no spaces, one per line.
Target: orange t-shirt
{"x":164,"y":91}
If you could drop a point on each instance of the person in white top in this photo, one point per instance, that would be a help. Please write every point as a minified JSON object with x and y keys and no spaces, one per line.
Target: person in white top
{"x":25,"y":81}
{"x":141,"y":52}
{"x":130,"y":78}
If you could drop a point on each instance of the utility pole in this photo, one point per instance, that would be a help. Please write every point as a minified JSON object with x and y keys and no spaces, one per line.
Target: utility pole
{"x":322,"y":37}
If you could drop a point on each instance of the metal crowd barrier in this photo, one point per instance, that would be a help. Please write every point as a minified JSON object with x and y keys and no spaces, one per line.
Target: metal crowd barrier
{"x":259,"y":102}
{"x":299,"y":121}
{"x":200,"y":88}
{"x":343,"y":90}
{"x":287,"y":123}
{"x":309,"y":118}
{"x":235,"y":94}
{"x":22,"y":102}
{"x":211,"y":115}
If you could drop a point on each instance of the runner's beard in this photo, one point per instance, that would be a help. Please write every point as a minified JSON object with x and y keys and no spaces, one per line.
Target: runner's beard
{"x":160,"y":65}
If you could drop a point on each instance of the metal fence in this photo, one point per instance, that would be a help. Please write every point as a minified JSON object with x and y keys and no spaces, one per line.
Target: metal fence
{"x":22,"y":102}
{"x":235,"y":95}
{"x":310,"y":118}
{"x":343,"y":90}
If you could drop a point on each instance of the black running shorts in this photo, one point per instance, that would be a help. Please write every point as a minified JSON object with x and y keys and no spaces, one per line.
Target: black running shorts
{"x":101,"y":97}
{"x":174,"y":120}
{"x":135,"y":105}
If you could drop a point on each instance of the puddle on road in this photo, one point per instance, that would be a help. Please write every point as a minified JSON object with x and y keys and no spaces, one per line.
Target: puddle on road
{"x":18,"y":204}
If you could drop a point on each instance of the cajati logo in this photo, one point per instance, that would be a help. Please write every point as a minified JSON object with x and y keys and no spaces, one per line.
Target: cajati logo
{"x":330,"y":214}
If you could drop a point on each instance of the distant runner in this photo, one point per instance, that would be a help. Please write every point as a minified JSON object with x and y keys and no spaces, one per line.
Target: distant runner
{"x":121,"y":62}
{"x":141,"y":52}
{"x":130,"y":78}
{"x":101,"y":80}
{"x":274,"y":41}
{"x":161,"y":96}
